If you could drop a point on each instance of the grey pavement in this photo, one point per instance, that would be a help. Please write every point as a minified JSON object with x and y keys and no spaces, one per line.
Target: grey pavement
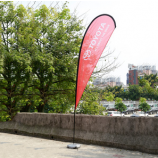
{"x":18,"y":146}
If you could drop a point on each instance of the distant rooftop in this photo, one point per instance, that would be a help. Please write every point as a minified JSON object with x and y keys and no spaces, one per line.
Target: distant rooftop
{"x":142,"y":67}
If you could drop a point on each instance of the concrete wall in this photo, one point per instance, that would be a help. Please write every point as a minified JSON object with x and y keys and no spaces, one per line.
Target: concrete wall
{"x":123,"y":132}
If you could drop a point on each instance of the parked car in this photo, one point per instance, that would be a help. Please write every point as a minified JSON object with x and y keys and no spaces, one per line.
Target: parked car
{"x":134,"y":115}
{"x":130,"y":110}
{"x":153,"y":110}
{"x":115,"y":113}
{"x":156,"y":115}
{"x":139,"y":113}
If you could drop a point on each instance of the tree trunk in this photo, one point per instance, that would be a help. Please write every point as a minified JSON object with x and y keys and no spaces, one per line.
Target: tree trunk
{"x":40,"y":108}
{"x":25,"y":108}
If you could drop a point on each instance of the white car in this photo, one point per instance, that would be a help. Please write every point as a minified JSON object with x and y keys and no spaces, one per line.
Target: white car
{"x":115,"y":113}
{"x":141,"y":113}
{"x":134,"y":115}
{"x":156,"y":115}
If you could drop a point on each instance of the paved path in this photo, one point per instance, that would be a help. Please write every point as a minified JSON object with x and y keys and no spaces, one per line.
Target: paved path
{"x":17,"y":146}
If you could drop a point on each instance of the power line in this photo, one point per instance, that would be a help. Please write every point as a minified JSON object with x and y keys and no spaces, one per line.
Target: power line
{"x":16,"y":3}
{"x":50,"y":4}
{"x":56,"y":4}
{"x":33,"y":4}
{"x":38,"y":5}
{"x":28,"y":4}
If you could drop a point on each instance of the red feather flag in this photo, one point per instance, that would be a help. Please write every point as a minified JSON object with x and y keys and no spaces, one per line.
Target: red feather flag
{"x":94,"y":41}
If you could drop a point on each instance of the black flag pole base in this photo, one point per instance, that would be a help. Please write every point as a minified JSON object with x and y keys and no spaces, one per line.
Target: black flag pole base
{"x":74,"y":146}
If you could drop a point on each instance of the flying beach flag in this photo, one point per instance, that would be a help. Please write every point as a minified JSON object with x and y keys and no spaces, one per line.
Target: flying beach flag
{"x":94,"y":41}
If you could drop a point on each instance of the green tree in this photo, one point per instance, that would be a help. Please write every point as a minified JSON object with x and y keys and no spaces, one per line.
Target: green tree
{"x":116,"y":90}
{"x":152,"y":79}
{"x":60,"y":104}
{"x":148,"y":91}
{"x":119,"y":105}
{"x":100,"y":92}
{"x":141,"y":81}
{"x":15,"y":70}
{"x":142,"y":100}
{"x":124,"y":95}
{"x":89,"y":103}
{"x":109,"y":96}
{"x":118,"y":100}
{"x":13,"y":83}
{"x":134,"y":92}
{"x":46,"y":44}
{"x":59,"y":37}
{"x":144,"y":107}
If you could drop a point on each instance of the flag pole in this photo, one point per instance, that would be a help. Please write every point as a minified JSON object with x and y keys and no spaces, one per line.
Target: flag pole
{"x":98,"y":32}
{"x":74,"y":145}
{"x":74,"y":127}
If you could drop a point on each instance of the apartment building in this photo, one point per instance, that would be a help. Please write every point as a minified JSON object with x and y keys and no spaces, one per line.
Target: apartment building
{"x":138,"y":71}
{"x":109,"y":81}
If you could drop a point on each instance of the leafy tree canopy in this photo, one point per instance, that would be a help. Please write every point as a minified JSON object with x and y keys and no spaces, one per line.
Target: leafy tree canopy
{"x":118,"y":100}
{"x":152,"y":79}
{"x":120,"y":107}
{"x":39,"y":50}
{"x":90,"y":104}
{"x":109,"y":96}
{"x":134,"y":92}
{"x":142,"y":100}
{"x":144,"y":107}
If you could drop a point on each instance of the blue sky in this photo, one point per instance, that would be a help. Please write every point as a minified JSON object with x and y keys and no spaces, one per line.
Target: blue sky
{"x":135,"y":38}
